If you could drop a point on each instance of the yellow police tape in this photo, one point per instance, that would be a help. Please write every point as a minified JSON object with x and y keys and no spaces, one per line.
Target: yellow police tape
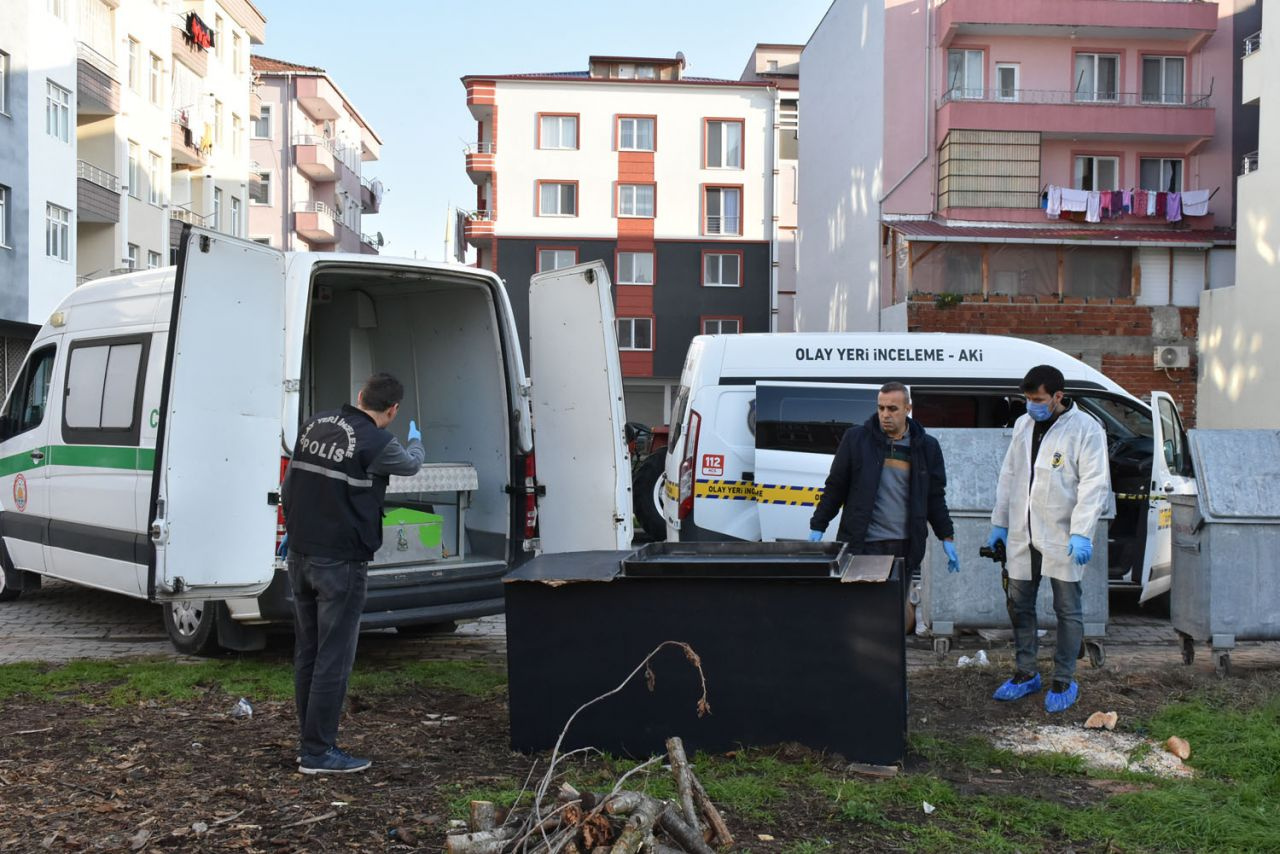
{"x":762,"y":493}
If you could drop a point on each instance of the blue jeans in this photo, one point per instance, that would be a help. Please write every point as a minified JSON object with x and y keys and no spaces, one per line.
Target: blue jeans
{"x":328,"y":599}
{"x":1066,"y":605}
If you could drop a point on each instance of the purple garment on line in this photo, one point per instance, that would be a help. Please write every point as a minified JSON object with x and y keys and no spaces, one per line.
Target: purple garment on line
{"x":1174,"y":212}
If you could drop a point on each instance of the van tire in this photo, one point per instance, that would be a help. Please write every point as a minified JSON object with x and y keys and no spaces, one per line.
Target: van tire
{"x":11,"y":584}
{"x":191,"y":626}
{"x":645,"y":496}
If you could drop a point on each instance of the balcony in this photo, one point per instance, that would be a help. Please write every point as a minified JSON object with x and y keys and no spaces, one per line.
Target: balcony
{"x":190,"y":54}
{"x":318,"y":99}
{"x":189,"y":150}
{"x":481,"y":97}
{"x":480,"y":157}
{"x":370,"y":195}
{"x":255,"y":103}
{"x":1064,"y":114}
{"x":1251,"y":70}
{"x":1189,"y":22}
{"x":97,"y":194}
{"x":370,"y":145}
{"x":316,"y":157}
{"x":97,"y":84}
{"x":478,"y":226}
{"x":315,"y":222}
{"x":1249,"y":163}
{"x":369,"y":244}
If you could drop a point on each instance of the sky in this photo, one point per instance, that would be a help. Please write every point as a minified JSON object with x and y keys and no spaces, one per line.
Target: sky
{"x":400,"y":64}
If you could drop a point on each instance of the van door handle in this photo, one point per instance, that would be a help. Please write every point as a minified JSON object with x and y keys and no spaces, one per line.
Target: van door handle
{"x":37,"y":455}
{"x":1168,"y":488}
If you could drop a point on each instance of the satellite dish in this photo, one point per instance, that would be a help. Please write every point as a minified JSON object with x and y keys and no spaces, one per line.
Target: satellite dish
{"x":379,"y":240}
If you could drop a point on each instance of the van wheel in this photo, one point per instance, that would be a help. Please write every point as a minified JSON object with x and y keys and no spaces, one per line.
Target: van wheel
{"x":646,"y":495}
{"x":10,"y":584}
{"x":192,"y":626}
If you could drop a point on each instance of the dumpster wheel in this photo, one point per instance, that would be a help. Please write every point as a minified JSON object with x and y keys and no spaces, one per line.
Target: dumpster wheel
{"x":942,"y":646}
{"x":1097,"y":652}
{"x":1222,"y":662}
{"x":1188,"y":648}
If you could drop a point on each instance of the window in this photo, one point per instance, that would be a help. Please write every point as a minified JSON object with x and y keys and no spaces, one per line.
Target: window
{"x":635,"y":133}
{"x":153,"y":178}
{"x":724,"y":144}
{"x":722,"y":208}
{"x":635,"y":268}
{"x":235,"y":217}
{"x":722,"y":269}
{"x":237,"y":54}
{"x":964,"y":73}
{"x":771,"y":65}
{"x":237,"y":131}
{"x":635,"y":333}
{"x":554,"y":259}
{"x":265,"y":241}
{"x":646,"y":72}
{"x":103,"y":404}
{"x":807,"y":419}
{"x":217,"y":122}
{"x":217,"y":208}
{"x":557,"y":131}
{"x":135,"y":65}
{"x":260,"y":190}
{"x":4,"y":82}
{"x":57,"y":232}
{"x":153,"y":260}
{"x":30,"y":395}
{"x":217,"y":35}
{"x":1006,"y":82}
{"x":1163,"y":174}
{"x":4,"y":216}
{"x":1162,"y":79}
{"x":1096,"y":76}
{"x":262,"y":124}
{"x":636,"y":200}
{"x":721,"y":326}
{"x":1097,"y":173}
{"x":557,"y":198}
{"x":157,"y":79}
{"x":57,"y":8}
{"x":57,"y":111}
{"x":131,"y":259}
{"x":135,"y":170}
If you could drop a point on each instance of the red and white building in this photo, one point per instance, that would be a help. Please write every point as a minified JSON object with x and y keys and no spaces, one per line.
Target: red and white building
{"x":667,"y":178}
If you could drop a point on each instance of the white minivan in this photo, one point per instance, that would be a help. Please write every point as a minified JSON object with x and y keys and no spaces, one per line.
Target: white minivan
{"x":142,"y":445}
{"x":757,"y":419}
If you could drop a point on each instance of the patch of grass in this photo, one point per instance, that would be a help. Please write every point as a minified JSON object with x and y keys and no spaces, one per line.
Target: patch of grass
{"x":978,"y":754}
{"x":503,"y":795}
{"x":473,"y":678}
{"x":809,"y":846}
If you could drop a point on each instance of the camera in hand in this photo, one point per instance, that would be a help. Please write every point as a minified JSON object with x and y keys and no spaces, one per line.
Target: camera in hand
{"x":997,"y":553}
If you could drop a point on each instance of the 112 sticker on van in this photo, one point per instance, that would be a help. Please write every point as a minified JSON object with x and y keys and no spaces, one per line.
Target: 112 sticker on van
{"x":713,"y":465}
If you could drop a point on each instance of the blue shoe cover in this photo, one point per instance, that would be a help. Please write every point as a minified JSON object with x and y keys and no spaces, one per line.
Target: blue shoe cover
{"x":1011,"y":690}
{"x":1060,"y":701}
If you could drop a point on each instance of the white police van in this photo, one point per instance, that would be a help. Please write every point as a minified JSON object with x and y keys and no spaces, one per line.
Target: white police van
{"x":757,"y":419}
{"x":142,"y":445}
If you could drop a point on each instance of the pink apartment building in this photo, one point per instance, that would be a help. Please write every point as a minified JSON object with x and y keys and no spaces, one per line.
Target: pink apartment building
{"x":309,"y":145}
{"x":942,"y":137}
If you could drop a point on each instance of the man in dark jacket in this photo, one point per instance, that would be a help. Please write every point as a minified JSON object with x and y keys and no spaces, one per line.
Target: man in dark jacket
{"x":332,"y":494}
{"x":889,"y":476}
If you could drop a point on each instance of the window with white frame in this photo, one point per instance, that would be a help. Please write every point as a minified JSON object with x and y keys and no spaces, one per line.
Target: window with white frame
{"x":260,"y":189}
{"x":555,"y":259}
{"x":635,"y":268}
{"x":723,"y":210}
{"x":636,"y":200}
{"x":635,"y":333}
{"x":721,"y":326}
{"x":1162,"y":79}
{"x":131,"y":256}
{"x":722,"y":270}
{"x":1097,"y":173}
{"x":1006,"y":81}
{"x":135,"y":64}
{"x":262,"y":124}
{"x":558,"y":132}
{"x":57,"y":232}
{"x":217,"y":208}
{"x":135,"y":170}
{"x":1162,"y":174}
{"x":237,"y":131}
{"x":217,"y":35}
{"x":557,"y":198}
{"x":57,"y":8}
{"x":153,"y":260}
{"x":635,"y":134}
{"x":154,"y":195}
{"x":235,"y":217}
{"x":1096,"y":76}
{"x":646,"y":72}
{"x":57,"y":111}
{"x":217,"y":122}
{"x":724,"y":144}
{"x":4,"y":216}
{"x":4,"y":82}
{"x":964,"y":73}
{"x":237,"y":54}
{"x":157,"y":80}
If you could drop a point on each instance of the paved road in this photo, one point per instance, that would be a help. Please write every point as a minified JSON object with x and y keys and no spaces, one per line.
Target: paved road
{"x":61,"y":622}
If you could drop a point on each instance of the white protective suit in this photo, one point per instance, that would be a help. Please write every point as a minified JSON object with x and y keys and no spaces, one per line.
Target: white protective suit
{"x":1071,"y":491}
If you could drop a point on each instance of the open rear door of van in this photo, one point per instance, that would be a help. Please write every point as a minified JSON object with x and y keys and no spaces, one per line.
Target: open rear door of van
{"x":217,"y":467}
{"x":578,"y":412}
{"x":1171,"y":474}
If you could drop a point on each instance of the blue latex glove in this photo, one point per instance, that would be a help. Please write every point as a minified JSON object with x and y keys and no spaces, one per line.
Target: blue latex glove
{"x":953,"y":559}
{"x":815,"y":536}
{"x":283,"y":551}
{"x":1080,"y":548}
{"x":414,"y":432}
{"x":997,"y":534}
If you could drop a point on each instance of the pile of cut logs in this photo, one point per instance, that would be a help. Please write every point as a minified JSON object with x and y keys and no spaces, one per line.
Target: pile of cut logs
{"x":617,"y":822}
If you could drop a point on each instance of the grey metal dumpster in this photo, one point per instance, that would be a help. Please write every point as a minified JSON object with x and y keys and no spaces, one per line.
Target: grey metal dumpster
{"x":973,"y":598}
{"x":1226,"y":544}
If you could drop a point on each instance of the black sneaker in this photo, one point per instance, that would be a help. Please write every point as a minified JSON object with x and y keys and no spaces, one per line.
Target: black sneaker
{"x":332,"y":761}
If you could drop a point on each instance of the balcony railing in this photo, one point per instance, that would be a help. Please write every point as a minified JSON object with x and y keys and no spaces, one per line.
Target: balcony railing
{"x":348,"y":156}
{"x":481,"y":148}
{"x":94,"y":175}
{"x":1067,"y":96}
{"x":1249,"y":163}
{"x":480,"y":216}
{"x":317,"y":207}
{"x":190,"y":217}
{"x":1253,"y":44}
{"x":96,"y":59}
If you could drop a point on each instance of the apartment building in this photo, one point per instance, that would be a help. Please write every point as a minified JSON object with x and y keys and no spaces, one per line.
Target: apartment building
{"x":1239,"y":354}
{"x":309,"y":145}
{"x":665,"y":177}
{"x":943,"y":198}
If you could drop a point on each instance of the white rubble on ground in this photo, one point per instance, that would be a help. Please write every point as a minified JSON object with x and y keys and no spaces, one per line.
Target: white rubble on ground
{"x":1099,"y":748}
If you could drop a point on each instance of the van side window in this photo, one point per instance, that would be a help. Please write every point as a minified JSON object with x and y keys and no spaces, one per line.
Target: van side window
{"x":104,"y":391}
{"x":965,"y":408}
{"x":30,"y":395}
{"x":809,"y":420}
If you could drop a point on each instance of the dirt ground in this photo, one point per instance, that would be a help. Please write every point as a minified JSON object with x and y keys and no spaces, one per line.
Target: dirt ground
{"x":81,"y":775}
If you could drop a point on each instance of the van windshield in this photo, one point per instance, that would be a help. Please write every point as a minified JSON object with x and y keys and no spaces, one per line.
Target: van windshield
{"x":1122,"y":419}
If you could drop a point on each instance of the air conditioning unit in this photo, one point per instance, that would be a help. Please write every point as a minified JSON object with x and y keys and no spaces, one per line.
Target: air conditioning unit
{"x":1167,"y":356}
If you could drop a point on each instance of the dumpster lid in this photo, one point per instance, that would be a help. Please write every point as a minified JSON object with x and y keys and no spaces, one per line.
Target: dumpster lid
{"x":1236,"y":472}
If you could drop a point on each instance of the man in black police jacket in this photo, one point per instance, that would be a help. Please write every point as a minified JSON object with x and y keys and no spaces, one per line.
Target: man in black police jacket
{"x":332,"y":494}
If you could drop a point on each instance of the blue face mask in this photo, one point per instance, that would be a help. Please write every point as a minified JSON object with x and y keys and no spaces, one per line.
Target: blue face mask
{"x":1040,"y":411}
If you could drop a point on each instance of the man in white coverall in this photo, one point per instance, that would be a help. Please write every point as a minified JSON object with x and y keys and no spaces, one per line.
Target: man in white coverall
{"x":1054,"y":485}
